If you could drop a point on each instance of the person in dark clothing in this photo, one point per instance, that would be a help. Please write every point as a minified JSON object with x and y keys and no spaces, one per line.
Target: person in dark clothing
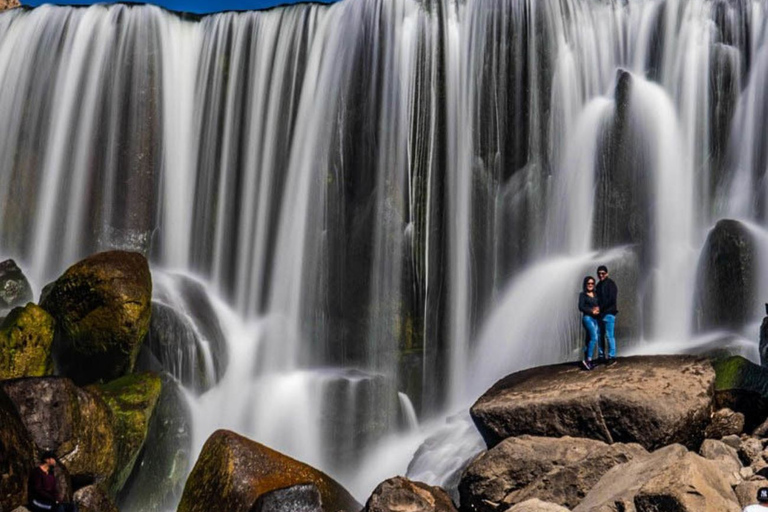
{"x":43,"y":495}
{"x":607,"y":295}
{"x":590,"y":311}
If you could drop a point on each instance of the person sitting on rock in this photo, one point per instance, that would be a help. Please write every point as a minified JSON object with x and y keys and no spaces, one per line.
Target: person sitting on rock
{"x":43,"y":495}
{"x":762,"y":498}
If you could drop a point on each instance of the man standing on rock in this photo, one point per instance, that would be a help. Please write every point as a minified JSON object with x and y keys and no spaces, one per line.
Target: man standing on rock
{"x":762,"y":498}
{"x":607,"y":294}
{"x":43,"y":496}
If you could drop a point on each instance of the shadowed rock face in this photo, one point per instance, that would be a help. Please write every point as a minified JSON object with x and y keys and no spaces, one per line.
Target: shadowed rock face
{"x":671,"y":479}
{"x":102,"y":310}
{"x":297,"y":498}
{"x":14,"y":287}
{"x":233,"y":471}
{"x":653,"y":401}
{"x":94,"y":498}
{"x":743,"y":387}
{"x":556,"y":470}
{"x":17,"y":454}
{"x":405,"y":495}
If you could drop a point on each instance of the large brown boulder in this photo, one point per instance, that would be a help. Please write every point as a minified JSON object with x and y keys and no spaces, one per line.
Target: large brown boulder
{"x":73,"y":423}
{"x":26,"y":336}
{"x":14,"y":288}
{"x":556,"y":470}
{"x":17,"y":455}
{"x":650,"y":400}
{"x":232,"y":472}
{"x":131,"y":401}
{"x":669,"y":479}
{"x":102,"y":309}
{"x":399,"y":494}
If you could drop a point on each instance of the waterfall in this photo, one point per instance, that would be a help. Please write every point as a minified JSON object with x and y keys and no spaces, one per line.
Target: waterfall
{"x":389,"y":204}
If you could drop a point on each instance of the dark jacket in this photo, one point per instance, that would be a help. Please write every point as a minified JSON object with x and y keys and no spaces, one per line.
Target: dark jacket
{"x":42,"y":486}
{"x":586,"y":303}
{"x":607,"y":294}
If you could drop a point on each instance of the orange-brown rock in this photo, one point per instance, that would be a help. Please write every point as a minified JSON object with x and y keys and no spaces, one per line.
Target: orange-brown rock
{"x":233,"y":471}
{"x":8,"y":4}
{"x":399,"y":494}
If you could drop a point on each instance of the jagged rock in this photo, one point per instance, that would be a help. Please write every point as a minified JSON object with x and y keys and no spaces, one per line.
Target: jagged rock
{"x":131,"y":400}
{"x":724,"y":422}
{"x":750,"y":450}
{"x":733,"y":441}
{"x":536,"y":505}
{"x":726,"y":277}
{"x":158,"y":475}
{"x":297,"y":498}
{"x":746,"y":492}
{"x":669,"y":479}
{"x":71,"y":422}
{"x":8,"y":4}
{"x":102,"y":311}
{"x":399,"y":494}
{"x":17,"y":455}
{"x":26,"y":336}
{"x":743,"y":387}
{"x":557,"y":470}
{"x":232,"y":472}
{"x":747,"y":473}
{"x":15,"y":290}
{"x":651,"y":400}
{"x":94,"y":498}
{"x":719,"y":451}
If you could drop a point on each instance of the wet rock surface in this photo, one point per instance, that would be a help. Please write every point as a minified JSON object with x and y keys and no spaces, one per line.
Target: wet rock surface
{"x":15,"y":290}
{"x":650,"y":400}
{"x":556,"y":470}
{"x":742,"y":386}
{"x":403,"y":495}
{"x":233,"y":471}
{"x":102,"y":311}
{"x":297,"y":498}
{"x":26,"y":336}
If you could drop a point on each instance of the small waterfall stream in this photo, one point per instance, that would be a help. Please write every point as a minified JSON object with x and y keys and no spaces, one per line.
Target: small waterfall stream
{"x":386,"y":204}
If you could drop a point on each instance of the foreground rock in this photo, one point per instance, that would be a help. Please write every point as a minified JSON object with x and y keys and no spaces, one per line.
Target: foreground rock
{"x":69,"y":421}
{"x":26,"y":336}
{"x":102,"y":311}
{"x":131,"y":400}
{"x":15,"y":290}
{"x":743,"y":387}
{"x":94,"y":498}
{"x":650,"y":400}
{"x":9,"y":4}
{"x":670,"y":479}
{"x":232,"y":472}
{"x":557,"y":470}
{"x":17,"y":452}
{"x":536,"y":505}
{"x":399,"y":494}
{"x":297,"y":498}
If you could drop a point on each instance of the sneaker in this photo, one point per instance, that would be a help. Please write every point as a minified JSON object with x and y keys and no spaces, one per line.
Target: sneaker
{"x":611,"y":361}
{"x":586,"y":365}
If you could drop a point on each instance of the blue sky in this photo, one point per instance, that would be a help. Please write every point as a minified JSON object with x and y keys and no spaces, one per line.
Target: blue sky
{"x":197,"y":6}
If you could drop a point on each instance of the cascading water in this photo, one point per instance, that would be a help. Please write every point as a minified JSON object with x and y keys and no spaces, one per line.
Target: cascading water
{"x":390,"y":203}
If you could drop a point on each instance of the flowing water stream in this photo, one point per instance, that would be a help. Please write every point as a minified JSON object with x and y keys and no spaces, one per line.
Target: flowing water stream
{"x":390,"y":204}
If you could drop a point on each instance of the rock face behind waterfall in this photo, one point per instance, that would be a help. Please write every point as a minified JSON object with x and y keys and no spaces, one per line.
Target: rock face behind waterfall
{"x":102,"y":311}
{"x":653,"y":401}
{"x":726,"y":277}
{"x":232,"y":472}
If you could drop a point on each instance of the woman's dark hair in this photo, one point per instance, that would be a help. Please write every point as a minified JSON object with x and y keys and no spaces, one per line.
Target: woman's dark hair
{"x":47,"y":455}
{"x":584,"y":283}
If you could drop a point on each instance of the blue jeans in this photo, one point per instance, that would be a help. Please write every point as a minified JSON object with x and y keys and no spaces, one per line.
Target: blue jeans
{"x":608,"y":323}
{"x":590,"y":324}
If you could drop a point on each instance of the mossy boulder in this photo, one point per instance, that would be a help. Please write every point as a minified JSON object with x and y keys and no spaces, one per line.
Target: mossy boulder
{"x":14,"y":287}
{"x":26,"y":336}
{"x":233,"y":471}
{"x":94,"y":498}
{"x":73,"y":423}
{"x":102,"y":307}
{"x":158,"y":476}
{"x":743,"y":387}
{"x":17,"y":456}
{"x":131,"y":401}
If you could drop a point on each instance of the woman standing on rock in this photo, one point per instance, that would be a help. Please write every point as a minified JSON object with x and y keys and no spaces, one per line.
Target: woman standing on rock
{"x":590,"y":312}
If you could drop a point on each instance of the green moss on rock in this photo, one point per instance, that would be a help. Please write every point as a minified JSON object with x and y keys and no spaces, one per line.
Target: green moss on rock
{"x":102,"y":307}
{"x":16,"y":456}
{"x":743,"y":387}
{"x":132,"y":400}
{"x":26,"y":336}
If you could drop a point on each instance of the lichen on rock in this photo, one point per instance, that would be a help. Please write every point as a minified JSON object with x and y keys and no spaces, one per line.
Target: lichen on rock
{"x":26,"y":336}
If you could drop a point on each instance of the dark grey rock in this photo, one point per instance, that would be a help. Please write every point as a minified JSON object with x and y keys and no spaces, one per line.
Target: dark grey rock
{"x":14,"y":287}
{"x":297,"y":498}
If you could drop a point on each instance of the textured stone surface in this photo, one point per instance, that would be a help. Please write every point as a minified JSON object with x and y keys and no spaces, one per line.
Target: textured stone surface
{"x":297,"y":498}
{"x":725,"y":422}
{"x":536,"y":505}
{"x":73,"y":423}
{"x":671,"y":479}
{"x":94,"y":498}
{"x":399,"y":494}
{"x":232,"y":472}
{"x":557,"y":470}
{"x":131,"y":400}
{"x":17,"y":455}
{"x":26,"y":336}
{"x":102,"y":310}
{"x":14,"y":288}
{"x":746,"y":492}
{"x":650,"y":400}
{"x":743,"y":387}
